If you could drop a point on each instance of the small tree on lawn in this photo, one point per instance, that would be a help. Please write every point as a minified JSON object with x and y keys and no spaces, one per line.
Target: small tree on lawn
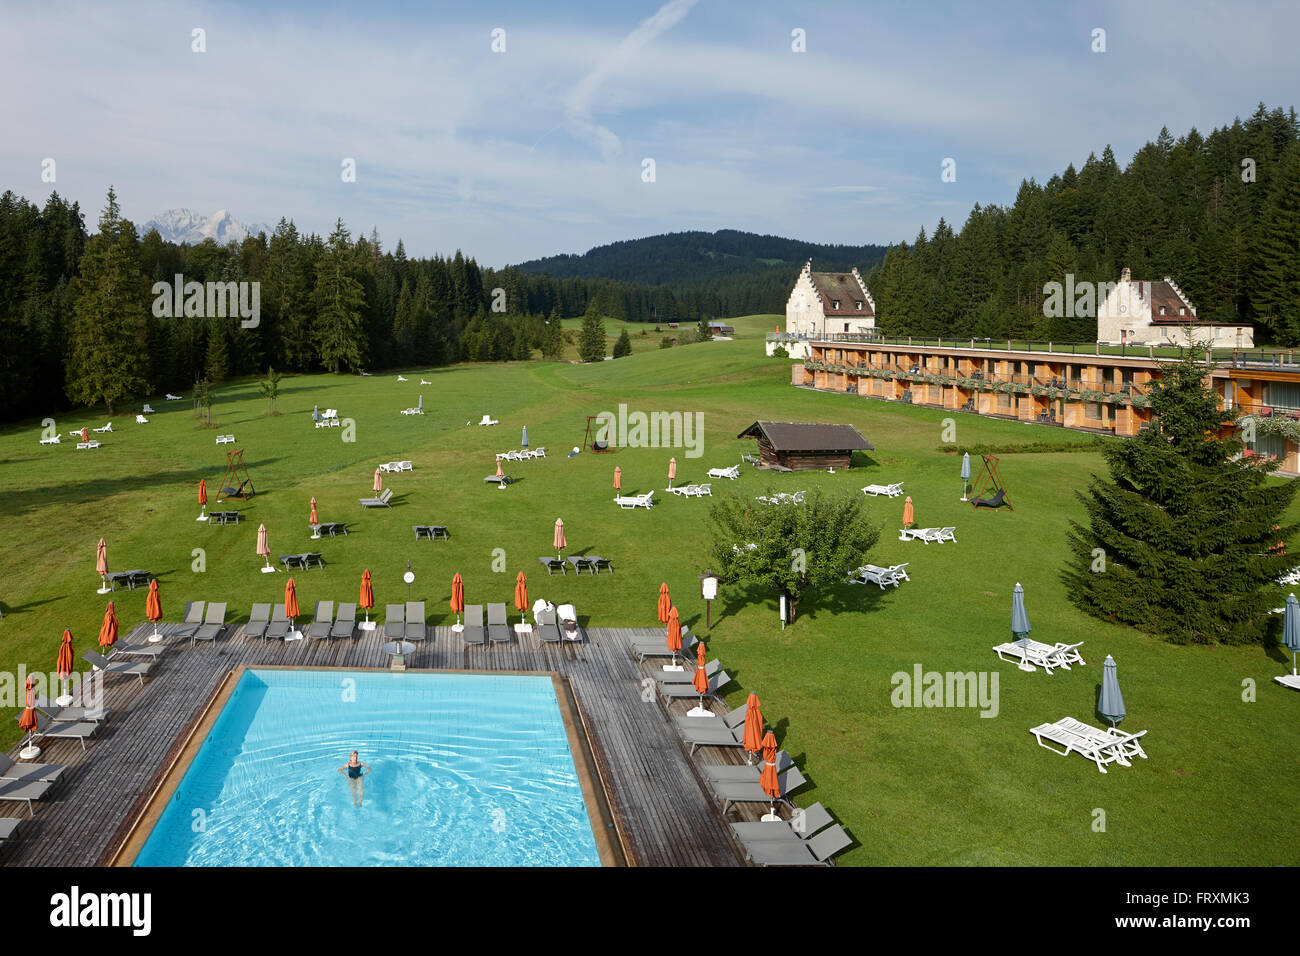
{"x":591,"y":341}
{"x":623,"y":345}
{"x":203,"y":400}
{"x":270,"y":387}
{"x":1178,"y":535}
{"x":790,"y":549}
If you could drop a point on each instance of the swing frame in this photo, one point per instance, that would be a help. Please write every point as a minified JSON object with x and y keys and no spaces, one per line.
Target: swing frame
{"x":234,"y":466}
{"x":989,"y":480}
{"x":589,"y":443}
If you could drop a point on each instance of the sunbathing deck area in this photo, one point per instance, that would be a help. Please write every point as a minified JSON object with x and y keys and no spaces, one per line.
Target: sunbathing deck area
{"x":664,"y":814}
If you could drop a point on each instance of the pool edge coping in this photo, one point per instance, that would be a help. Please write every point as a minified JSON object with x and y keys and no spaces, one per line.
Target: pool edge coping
{"x":592,"y":786}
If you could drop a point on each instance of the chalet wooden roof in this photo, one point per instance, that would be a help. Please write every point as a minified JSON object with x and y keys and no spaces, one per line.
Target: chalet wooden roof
{"x":808,"y":436}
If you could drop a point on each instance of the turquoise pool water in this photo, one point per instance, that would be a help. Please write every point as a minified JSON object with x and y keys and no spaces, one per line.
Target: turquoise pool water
{"x":467,"y":770}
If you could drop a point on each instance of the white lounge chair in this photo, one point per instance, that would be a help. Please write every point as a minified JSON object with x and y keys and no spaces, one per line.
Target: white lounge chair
{"x":425,"y":381}
{"x":87,"y":444}
{"x":106,"y":429}
{"x":702,"y":490}
{"x":141,"y":420}
{"x":488,"y":420}
{"x":225,"y":439}
{"x":172,"y":398}
{"x":1098,"y":746}
{"x":52,"y":441}
{"x":733,"y":472}
{"x":890,"y":491}
{"x":1125,"y":744}
{"x":628,"y":502}
{"x":1046,"y":656}
{"x":148,"y":409}
{"x":539,"y":452}
{"x":401,"y":378}
{"x":874,"y":574}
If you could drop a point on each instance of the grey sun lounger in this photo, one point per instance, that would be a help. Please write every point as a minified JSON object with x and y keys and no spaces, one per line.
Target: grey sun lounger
{"x":381,"y":501}
{"x":552,"y":565}
{"x":498,"y":629}
{"x":24,"y":790}
{"x":345,"y":623}
{"x":659,"y":648}
{"x":414,"y":629}
{"x":193,"y":619}
{"x":214,"y":622}
{"x":72,"y":712}
{"x":742,"y":772}
{"x":279,"y":626}
{"x":8,"y":827}
{"x":46,"y":726}
{"x":687,"y":674}
{"x":40,"y":772}
{"x":395,"y":622}
{"x":136,"y":669}
{"x":733,"y":718}
{"x":730,"y":792}
{"x":815,"y":851}
{"x":808,"y":822}
{"x":683,"y":691}
{"x":711,"y":732}
{"x":322,"y":621}
{"x":474,"y":632}
{"x":151,"y":651}
{"x":258,"y":621}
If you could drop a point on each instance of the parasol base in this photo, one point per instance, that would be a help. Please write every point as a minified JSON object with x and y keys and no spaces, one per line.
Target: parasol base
{"x":700,"y":712}
{"x":1289,"y":680}
{"x":1027,"y":667}
{"x":770,"y":817}
{"x":293,"y":636}
{"x":104,"y":591}
{"x":268,"y":570}
{"x":367,"y":625}
{"x":201,"y":518}
{"x":675,"y":668}
{"x":458,"y":628}
{"x":30,"y":752}
{"x":963,"y":499}
{"x":522,"y":629}
{"x":64,"y":700}
{"x":154,"y":638}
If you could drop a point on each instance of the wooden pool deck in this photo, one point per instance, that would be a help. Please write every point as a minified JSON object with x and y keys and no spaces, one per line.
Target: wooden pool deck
{"x":664,"y":815}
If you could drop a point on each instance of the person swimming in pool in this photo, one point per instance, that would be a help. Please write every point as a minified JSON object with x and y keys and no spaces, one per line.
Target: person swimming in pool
{"x":353,"y":768}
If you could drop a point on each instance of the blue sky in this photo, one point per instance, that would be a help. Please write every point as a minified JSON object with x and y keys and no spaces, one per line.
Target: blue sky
{"x":540,"y":149}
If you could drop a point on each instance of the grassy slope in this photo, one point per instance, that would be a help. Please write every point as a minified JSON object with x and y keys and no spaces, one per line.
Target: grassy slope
{"x":915,"y":786}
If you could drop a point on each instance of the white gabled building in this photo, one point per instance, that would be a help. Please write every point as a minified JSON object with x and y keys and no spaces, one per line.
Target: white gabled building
{"x":825,"y":303}
{"x":1146,"y":312}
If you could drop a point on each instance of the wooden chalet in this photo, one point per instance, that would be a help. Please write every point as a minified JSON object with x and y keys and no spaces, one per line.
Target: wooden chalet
{"x":802,"y":446}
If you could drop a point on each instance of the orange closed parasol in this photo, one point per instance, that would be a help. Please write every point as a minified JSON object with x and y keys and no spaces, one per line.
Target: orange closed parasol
{"x":153,"y":609}
{"x":701,"y":680}
{"x":907,"y":512}
{"x":27,"y":722}
{"x":458,"y":596}
{"x":85,"y":434}
{"x":500,"y":473}
{"x":753,"y":739}
{"x":521,"y":595}
{"x":264,"y":547}
{"x":203,"y":500}
{"x":664,"y":603}
{"x":674,"y":638}
{"x":768,"y":780}
{"x":618,"y":478}
{"x":366,"y":598}
{"x":558,"y":539}
{"x":291,"y":604}
{"x":379,"y":482}
{"x":65,"y":666}
{"x":313,"y":520}
{"x":101,"y":565}
{"x":672,"y":471}
{"x":108,"y":629}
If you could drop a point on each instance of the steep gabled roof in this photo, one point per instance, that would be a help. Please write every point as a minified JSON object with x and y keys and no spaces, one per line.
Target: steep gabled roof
{"x":845,"y":287}
{"x":808,"y":436}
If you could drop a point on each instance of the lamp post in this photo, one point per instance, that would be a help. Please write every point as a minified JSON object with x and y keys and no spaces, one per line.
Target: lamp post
{"x":409,"y":578}
{"x":708,"y":591}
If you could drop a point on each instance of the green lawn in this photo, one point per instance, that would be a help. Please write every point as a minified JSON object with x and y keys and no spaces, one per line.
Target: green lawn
{"x":914,"y":786}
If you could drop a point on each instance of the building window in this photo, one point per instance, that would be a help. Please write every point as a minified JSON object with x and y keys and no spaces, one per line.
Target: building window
{"x":835,"y":303}
{"x":1182,"y":311}
{"x":1004,"y":400}
{"x":1162,"y":310}
{"x":1092,"y":410}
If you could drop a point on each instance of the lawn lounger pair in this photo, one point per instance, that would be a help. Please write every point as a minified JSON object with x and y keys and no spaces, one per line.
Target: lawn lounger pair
{"x":331,"y":528}
{"x":628,"y":502}
{"x":302,"y":561}
{"x":926,"y":535}
{"x":488,"y":420}
{"x":381,"y":501}
{"x":810,"y":838}
{"x":692,"y":491}
{"x":782,"y":498}
{"x":1041,"y":655}
{"x":889,"y":491}
{"x":328,"y":423}
{"x":591,"y":563}
{"x":87,"y":444}
{"x":1102,"y":747}
{"x":873,"y":574}
{"x":732,"y":472}
{"x":431,"y":531}
{"x":136,"y":669}
{"x":396,"y":466}
{"x":223,"y":517}
{"x":225,"y":439}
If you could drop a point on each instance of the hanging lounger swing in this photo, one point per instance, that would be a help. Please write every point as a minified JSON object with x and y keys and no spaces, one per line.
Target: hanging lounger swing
{"x":989,"y":490}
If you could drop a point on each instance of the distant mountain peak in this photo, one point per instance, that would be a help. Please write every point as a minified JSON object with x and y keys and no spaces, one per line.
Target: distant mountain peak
{"x":189,"y":226}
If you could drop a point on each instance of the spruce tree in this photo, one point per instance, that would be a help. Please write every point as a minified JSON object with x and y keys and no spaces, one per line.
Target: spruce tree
{"x":107,"y":347}
{"x":340,"y":300}
{"x":1179,"y":533}
{"x":623,"y":346}
{"x":1276,"y":277}
{"x":553,"y":338}
{"x":591,"y":341}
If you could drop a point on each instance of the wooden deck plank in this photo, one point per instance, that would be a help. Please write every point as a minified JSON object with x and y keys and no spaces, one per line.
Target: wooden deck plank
{"x":664,"y":813}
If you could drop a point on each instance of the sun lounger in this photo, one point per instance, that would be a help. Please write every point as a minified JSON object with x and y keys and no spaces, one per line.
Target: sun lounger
{"x":598,"y":564}
{"x":889,"y":491}
{"x":258,"y":620}
{"x":24,"y":791}
{"x":658,"y":646}
{"x":38,"y":772}
{"x":497,"y":627}
{"x":732,"y":472}
{"x":172,"y":398}
{"x":488,"y":420}
{"x":539,"y":452}
{"x":1068,"y":654}
{"x":214,"y":622}
{"x":87,"y":444}
{"x":141,"y":420}
{"x":1046,"y":656}
{"x":322,"y":620}
{"x":193,"y":619}
{"x":148,"y":409}
{"x":733,"y":719}
{"x":345,"y":622}
{"x":104,"y":430}
{"x":711,"y":732}
{"x":309,"y":558}
{"x":743,"y":772}
{"x":815,"y":851}
{"x":1122,"y":743}
{"x":799,"y":828}
{"x":290,"y":561}
{"x":278,"y":629}
{"x":1070,"y":741}
{"x":150,"y":651}
{"x":56,"y":440}
{"x":730,"y":792}
{"x":566,"y":625}
{"x":381,"y":501}
{"x":225,"y":439}
{"x":431,"y":531}
{"x":47,"y":726}
{"x":873,"y":574}
{"x":627,"y":502}
{"x":687,"y":674}
{"x":552,"y":565}
{"x":681,"y":691}
{"x":136,"y":669}
{"x":498,"y":479}
{"x":73,"y":712}
{"x":474,"y":632}
{"x":748,"y":459}
{"x":414,"y":629}
{"x":395,"y":622}
{"x":581,"y":563}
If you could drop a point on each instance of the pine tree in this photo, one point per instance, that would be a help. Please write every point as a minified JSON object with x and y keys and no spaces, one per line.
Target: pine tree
{"x":1276,"y":278}
{"x":623,"y":346}
{"x":591,"y":340}
{"x":218,"y":362}
{"x":108,"y":357}
{"x":1178,"y":535}
{"x":553,"y":338}
{"x":340,"y":300}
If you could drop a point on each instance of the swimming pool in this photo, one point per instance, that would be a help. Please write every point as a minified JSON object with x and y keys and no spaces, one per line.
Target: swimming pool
{"x":466,"y":770}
